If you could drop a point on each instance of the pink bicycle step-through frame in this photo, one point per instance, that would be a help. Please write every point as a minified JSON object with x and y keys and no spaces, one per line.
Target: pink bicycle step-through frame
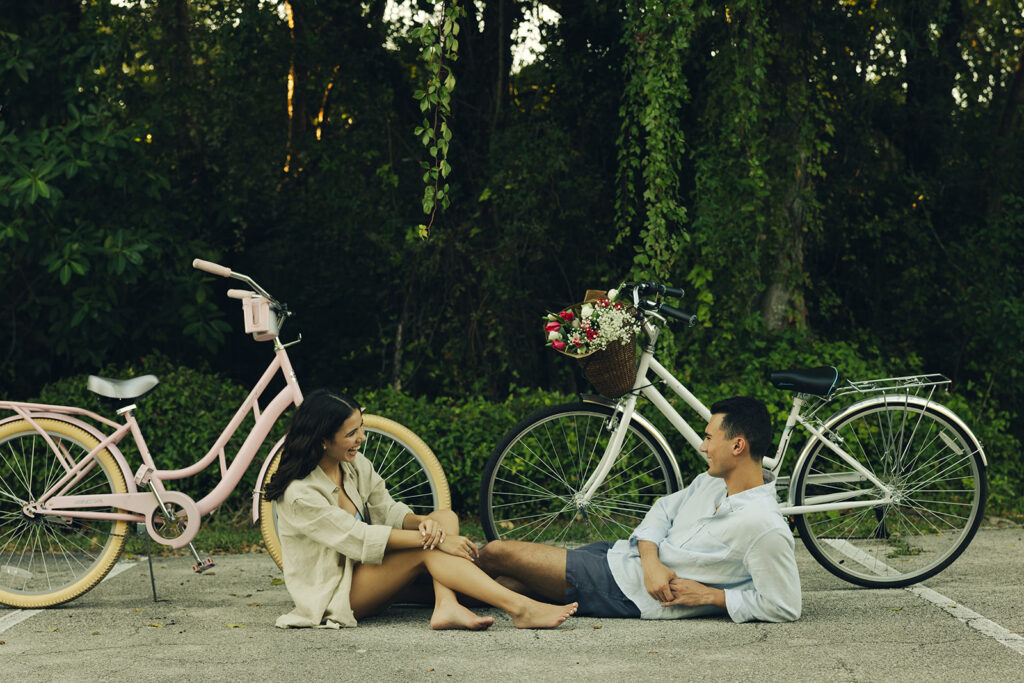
{"x":140,"y":506}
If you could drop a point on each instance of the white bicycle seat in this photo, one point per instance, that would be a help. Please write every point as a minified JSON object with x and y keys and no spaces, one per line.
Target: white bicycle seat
{"x":123,"y":389}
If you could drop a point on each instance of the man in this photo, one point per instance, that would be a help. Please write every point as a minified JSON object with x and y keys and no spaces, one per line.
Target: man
{"x":720,"y":544}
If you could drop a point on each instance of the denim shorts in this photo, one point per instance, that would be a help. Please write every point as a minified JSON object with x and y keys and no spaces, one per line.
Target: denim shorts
{"x":591,"y":584}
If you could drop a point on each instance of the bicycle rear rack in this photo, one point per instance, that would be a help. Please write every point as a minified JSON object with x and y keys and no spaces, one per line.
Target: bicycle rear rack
{"x":923,"y":386}
{"x":912,"y":385}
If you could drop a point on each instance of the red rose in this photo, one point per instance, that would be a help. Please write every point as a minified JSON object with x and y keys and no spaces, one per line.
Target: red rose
{"x":558,"y":345}
{"x":567,"y":316}
{"x":553,"y":327}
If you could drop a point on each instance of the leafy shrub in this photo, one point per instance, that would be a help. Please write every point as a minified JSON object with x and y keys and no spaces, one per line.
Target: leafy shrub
{"x":183,"y":416}
{"x":462,"y":432}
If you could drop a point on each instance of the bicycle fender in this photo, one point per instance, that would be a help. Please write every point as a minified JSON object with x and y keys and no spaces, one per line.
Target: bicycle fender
{"x":122,"y":462}
{"x":260,"y":478}
{"x":646,"y":424}
{"x":881,"y":400}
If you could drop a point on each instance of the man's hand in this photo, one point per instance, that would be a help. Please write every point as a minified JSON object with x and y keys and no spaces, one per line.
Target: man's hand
{"x":656,"y":575}
{"x":691,"y":594}
{"x":657,"y":580}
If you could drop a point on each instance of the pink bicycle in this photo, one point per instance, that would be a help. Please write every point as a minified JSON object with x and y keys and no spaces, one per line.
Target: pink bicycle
{"x":68,"y":495}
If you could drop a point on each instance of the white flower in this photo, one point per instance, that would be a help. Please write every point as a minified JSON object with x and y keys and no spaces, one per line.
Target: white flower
{"x":587,"y":310}
{"x":613,"y":294}
{"x":553,"y":336}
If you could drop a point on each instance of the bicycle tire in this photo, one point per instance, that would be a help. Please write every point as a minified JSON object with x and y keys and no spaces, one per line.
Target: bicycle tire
{"x":935,"y":467}
{"x":413,"y":474}
{"x":46,"y":560}
{"x":531,"y":480}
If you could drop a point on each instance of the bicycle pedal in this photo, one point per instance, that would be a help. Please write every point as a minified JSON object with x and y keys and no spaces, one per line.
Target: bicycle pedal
{"x":203,"y":566}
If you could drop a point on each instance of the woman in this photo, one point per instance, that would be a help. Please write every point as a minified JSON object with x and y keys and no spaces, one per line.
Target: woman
{"x":349,"y":549}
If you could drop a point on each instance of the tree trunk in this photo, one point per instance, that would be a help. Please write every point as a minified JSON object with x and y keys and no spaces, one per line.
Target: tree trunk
{"x":782,"y":303}
{"x":297,"y":75}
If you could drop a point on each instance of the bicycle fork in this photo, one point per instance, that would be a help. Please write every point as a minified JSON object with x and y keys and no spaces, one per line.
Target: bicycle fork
{"x":617,"y":424}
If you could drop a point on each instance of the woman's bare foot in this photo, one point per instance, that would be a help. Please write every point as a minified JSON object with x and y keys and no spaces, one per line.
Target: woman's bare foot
{"x":455,"y":616}
{"x":542,"y":615}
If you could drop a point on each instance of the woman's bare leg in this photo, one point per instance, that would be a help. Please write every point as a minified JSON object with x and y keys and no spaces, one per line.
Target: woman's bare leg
{"x":374,"y":586}
{"x":449,"y":613}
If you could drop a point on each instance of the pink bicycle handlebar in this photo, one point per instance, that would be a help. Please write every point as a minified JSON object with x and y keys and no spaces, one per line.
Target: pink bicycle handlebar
{"x":240,"y":294}
{"x":211,"y":268}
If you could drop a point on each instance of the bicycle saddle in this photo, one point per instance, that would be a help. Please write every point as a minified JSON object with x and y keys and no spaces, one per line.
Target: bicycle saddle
{"x":816,"y":381}
{"x":122,"y":389}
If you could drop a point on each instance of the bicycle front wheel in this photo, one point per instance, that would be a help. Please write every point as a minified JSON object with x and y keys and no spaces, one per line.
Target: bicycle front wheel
{"x":935,"y":471}
{"x":533,"y":480}
{"x":47,"y":560}
{"x":410,"y":469}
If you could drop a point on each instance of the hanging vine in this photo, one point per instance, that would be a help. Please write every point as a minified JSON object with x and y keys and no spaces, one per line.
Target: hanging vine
{"x":733,"y":193}
{"x":440,"y":50}
{"x":651,"y":142}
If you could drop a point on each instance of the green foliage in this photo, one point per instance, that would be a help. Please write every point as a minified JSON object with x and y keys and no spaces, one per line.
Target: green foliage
{"x":440,"y":50}
{"x":81,"y":223}
{"x":651,"y":141}
{"x":180,"y":420}
{"x":850,"y":169}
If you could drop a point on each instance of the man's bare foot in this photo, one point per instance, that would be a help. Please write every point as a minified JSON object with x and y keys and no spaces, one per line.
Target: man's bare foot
{"x":542,"y":615}
{"x":456,"y":616}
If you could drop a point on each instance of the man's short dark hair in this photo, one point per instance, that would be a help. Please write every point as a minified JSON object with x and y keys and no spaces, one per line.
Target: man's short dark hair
{"x":747,"y":417}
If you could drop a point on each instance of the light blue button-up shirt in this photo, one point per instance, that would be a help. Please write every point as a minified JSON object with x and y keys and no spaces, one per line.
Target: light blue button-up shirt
{"x":738,"y":543}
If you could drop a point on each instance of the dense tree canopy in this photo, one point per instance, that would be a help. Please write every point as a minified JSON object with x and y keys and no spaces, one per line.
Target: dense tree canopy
{"x":821,"y":176}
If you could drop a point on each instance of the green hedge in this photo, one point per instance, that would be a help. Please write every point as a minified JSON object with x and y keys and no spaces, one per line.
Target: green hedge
{"x":185,"y":414}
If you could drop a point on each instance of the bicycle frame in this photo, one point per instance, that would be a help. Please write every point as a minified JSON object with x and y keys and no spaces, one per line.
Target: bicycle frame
{"x":626,"y":409}
{"x":138,"y":506}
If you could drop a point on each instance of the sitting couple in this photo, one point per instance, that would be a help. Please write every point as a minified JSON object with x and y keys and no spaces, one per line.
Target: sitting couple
{"x":718,"y":546}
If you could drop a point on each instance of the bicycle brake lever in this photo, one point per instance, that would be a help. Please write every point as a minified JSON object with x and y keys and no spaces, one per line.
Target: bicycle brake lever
{"x":292,"y":343}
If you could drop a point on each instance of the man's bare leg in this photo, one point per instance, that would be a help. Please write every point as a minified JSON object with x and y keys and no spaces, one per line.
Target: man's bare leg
{"x":374,"y":586}
{"x":537,"y":567}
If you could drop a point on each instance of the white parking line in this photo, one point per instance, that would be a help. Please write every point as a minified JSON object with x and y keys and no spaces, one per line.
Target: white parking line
{"x":16,"y":617}
{"x":985,"y":627}
{"x":979,"y":623}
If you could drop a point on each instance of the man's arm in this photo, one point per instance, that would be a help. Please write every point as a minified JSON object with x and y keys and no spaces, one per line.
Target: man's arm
{"x":658,"y":521}
{"x":657,"y":577}
{"x":775,"y":595}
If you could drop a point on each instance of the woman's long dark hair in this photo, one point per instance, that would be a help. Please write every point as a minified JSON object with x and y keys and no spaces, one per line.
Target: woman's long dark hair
{"x":314,"y":422}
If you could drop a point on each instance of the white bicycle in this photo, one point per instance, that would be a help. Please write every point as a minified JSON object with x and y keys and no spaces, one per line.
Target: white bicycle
{"x":888,"y":489}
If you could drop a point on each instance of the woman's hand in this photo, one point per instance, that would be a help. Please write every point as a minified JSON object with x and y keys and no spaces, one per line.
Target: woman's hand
{"x":432,"y":533}
{"x":459,"y":546}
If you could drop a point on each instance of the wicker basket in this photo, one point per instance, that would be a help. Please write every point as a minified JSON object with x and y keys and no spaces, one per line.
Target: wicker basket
{"x":613,"y":369}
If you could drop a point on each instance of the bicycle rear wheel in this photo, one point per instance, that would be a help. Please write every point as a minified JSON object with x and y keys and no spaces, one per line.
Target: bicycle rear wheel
{"x":410,"y":469}
{"x":531,"y":482}
{"x":47,"y":560}
{"x":935,"y":470}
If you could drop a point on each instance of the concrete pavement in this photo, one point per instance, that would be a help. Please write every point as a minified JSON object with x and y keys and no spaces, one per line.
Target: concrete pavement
{"x":219,"y":626}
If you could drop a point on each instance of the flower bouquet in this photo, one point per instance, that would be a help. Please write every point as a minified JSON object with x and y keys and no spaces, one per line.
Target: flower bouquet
{"x":601,"y":334}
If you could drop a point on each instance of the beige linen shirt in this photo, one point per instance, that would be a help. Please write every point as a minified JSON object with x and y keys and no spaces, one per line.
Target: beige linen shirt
{"x":321,"y":543}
